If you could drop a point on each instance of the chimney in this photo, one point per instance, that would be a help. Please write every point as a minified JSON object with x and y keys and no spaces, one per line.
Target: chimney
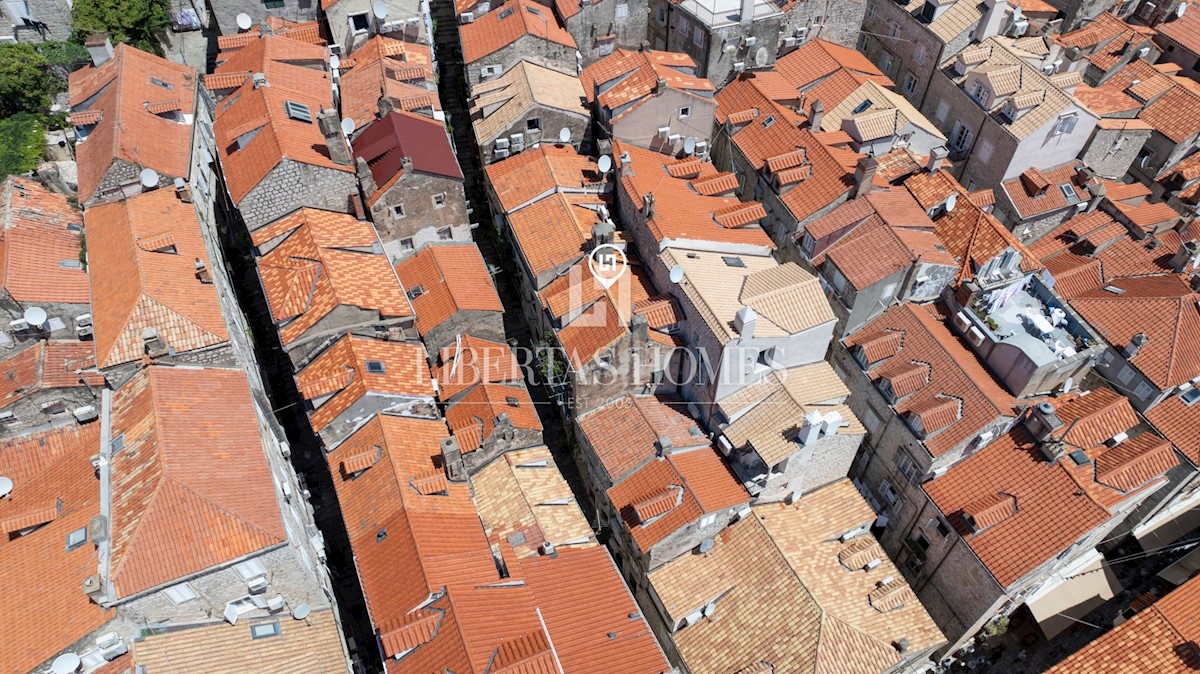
{"x":744,"y":322}
{"x":202,"y":273}
{"x":747,"y":15}
{"x":364,"y":176}
{"x":1135,"y":344}
{"x":992,"y":22}
{"x":1043,"y":421}
{"x":452,"y":458}
{"x":331,"y":128}
{"x":259,"y":79}
{"x":660,"y":87}
{"x":810,"y":432}
{"x":602,"y":233}
{"x":1186,"y":256}
{"x":816,"y":113}
{"x":640,"y":327}
{"x":936,"y":156}
{"x":1097,"y":191}
{"x":644,"y":46}
{"x":648,"y":206}
{"x":100,"y":48}
{"x":663,"y":446}
{"x":406,"y":165}
{"x":864,"y":176}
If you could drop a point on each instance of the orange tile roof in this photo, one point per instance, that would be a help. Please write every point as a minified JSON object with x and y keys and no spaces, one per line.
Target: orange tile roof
{"x":472,"y":360}
{"x":1094,"y":418}
{"x":121,"y":89}
{"x":142,"y":255}
{"x":391,"y":67}
{"x":818,"y":64}
{"x":595,"y":329}
{"x":623,"y":433}
{"x":1161,"y":307}
{"x":537,"y":171}
{"x":1033,"y":201}
{"x":680,"y":211}
{"x":327,"y":260}
{"x":307,"y":31}
{"x":45,"y":610}
{"x":1184,"y":31}
{"x":556,"y":230}
{"x":1166,"y":99}
{"x":1161,"y":639}
{"x":342,"y":373}
{"x":1103,"y":39}
{"x":48,"y":365}
{"x":484,"y":404}
{"x":1048,"y":510}
{"x":453,"y":278}
{"x":1180,"y":423}
{"x":954,"y":371}
{"x":507,"y":24}
{"x":255,"y":133}
{"x":276,"y":56}
{"x":1147,"y":216}
{"x":36,"y":241}
{"x":634,"y":75}
{"x":191,"y":486}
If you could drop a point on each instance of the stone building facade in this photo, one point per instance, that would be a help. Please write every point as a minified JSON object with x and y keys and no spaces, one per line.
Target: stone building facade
{"x":546,"y":53}
{"x":599,"y":27}
{"x":35,"y":20}
{"x":292,"y":185}
{"x":414,"y":209}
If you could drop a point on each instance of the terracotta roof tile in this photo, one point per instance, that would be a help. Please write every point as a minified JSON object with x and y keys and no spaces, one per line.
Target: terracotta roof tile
{"x":486,"y":402}
{"x":1165,"y":99}
{"x":38,"y":247}
{"x":1103,"y":40}
{"x":119,"y":89}
{"x":453,"y":278}
{"x":555,"y":231}
{"x":135,"y":288}
{"x":1180,"y":423}
{"x":525,"y":90}
{"x":302,"y":31}
{"x":1035,"y":193}
{"x":398,"y":135}
{"x":1184,"y":30}
{"x":191,"y":486}
{"x":595,"y":329}
{"x":530,"y":175}
{"x":1092,"y":419}
{"x":626,"y":76}
{"x":623,"y":433}
{"x":385,"y":66}
{"x":471,"y":360}
{"x":817,"y":64}
{"x":507,"y":24}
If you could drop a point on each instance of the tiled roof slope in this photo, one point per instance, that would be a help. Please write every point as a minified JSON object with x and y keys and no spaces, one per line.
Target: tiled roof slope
{"x":310,"y":646}
{"x":286,"y":62}
{"x":623,"y":433}
{"x":556,"y":229}
{"x":385,"y":66}
{"x":143,"y":255}
{"x":1050,"y":514}
{"x":953,"y":371}
{"x":303,"y":31}
{"x":1104,"y":39}
{"x":1184,"y":30}
{"x":828,"y":72}
{"x":36,"y":241}
{"x":327,"y":260}
{"x":1166,"y":100}
{"x":453,"y":278}
{"x":121,"y":89}
{"x":626,"y":76}
{"x":340,"y":376}
{"x":40,"y":579}
{"x":484,"y":403}
{"x":885,"y":114}
{"x":497,"y":105}
{"x":385,"y":144}
{"x":1180,"y":423}
{"x":48,"y":364}
{"x":191,"y":486}
{"x":507,"y":24}
{"x":1161,"y":639}
{"x":472,"y":360}
{"x":531,"y":174}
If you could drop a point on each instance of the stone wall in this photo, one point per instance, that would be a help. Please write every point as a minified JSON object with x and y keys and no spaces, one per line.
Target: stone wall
{"x":293,"y":185}
{"x":600,"y":19}
{"x":549,"y":121}
{"x":529,"y":48}
{"x":1111,"y":152}
{"x":483,"y":324}
{"x":51,"y":20}
{"x":225,"y":12}
{"x":419,"y":218}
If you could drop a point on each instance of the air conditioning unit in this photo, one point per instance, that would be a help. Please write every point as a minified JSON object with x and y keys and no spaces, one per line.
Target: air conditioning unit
{"x":961,"y":321}
{"x":674,"y":138}
{"x":275,"y":603}
{"x":85,"y":332}
{"x":500,"y":154}
{"x":257,"y":584}
{"x":751,"y":41}
{"x":18,"y":325}
{"x":664,"y":131}
{"x":739,"y":66}
{"x":975,"y":336}
{"x":730,"y":48}
{"x":518,"y":142}
{"x":85,"y":413}
{"x":83,"y":319}
{"x":789,"y":42}
{"x":702,"y":148}
{"x":1141,"y":53}
{"x":287,"y":491}
{"x":1081,"y":206}
{"x":724,"y":445}
{"x":466,"y":18}
{"x":501,"y":143}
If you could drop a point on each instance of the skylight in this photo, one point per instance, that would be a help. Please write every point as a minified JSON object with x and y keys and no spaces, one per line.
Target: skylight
{"x":298,"y":111}
{"x":862,"y":106}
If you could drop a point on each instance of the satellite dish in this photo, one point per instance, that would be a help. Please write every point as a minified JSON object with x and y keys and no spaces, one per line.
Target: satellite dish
{"x":1180,"y":10}
{"x":951,"y":202}
{"x":761,"y":56}
{"x":564,"y":135}
{"x":379,"y":9}
{"x":348,"y":126}
{"x":180,"y":183}
{"x":689,"y":145}
{"x":35,"y":316}
{"x":335,"y":62}
{"x":244,"y":22}
{"x":67,"y":663}
{"x":149,"y":177}
{"x":605,"y":163}
{"x":676,"y":274}
{"x":301,"y":612}
{"x":6,"y":485}
{"x":706,"y":545}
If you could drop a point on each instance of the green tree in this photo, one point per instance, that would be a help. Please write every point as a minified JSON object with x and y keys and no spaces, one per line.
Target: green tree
{"x":137,"y":22}
{"x":25,"y":85}
{"x":20,"y":143}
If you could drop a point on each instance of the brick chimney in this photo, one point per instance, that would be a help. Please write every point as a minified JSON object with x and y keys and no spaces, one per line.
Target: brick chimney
{"x":816,"y":113}
{"x":992,"y":22}
{"x":864,"y":176}
{"x":331,"y":128}
{"x":100,"y":48}
{"x":364,"y":177}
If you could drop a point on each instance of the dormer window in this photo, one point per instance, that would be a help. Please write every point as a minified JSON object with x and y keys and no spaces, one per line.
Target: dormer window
{"x":1009,"y":112}
{"x":980,"y":93}
{"x":928,"y":12}
{"x":960,"y":67}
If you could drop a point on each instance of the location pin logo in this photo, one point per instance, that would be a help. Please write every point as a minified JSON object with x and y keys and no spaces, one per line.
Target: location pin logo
{"x":608,"y":263}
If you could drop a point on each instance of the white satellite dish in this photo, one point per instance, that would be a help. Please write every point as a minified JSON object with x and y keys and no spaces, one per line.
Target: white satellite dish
{"x":67,"y":663}
{"x":180,"y":183}
{"x":951,"y":202}
{"x":35,"y":316}
{"x":605,"y":163}
{"x":379,"y":9}
{"x":301,"y":612}
{"x":347,"y":126}
{"x":335,"y":62}
{"x":149,"y":177}
{"x":689,"y":145}
{"x":1180,"y":10}
{"x":564,"y":135}
{"x":244,"y":21}
{"x":761,"y":56}
{"x":6,"y":485}
{"x":676,"y":274}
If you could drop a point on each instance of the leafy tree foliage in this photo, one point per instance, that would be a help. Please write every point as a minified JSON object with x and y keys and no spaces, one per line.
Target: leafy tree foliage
{"x":20,"y":143}
{"x":137,"y":22}
{"x":25,"y":85}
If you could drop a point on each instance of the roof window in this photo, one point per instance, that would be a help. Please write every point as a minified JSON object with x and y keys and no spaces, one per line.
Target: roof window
{"x":298,"y":111}
{"x":76,"y":538}
{"x":733,"y":261}
{"x":533,"y":10}
{"x":768,"y":122}
{"x":416,"y":291}
{"x":159,"y":83}
{"x":862,"y":107}
{"x":265,"y":630}
{"x":512,"y":402}
{"x":1190,"y":396}
{"x":505,"y":13}
{"x":376,"y":367}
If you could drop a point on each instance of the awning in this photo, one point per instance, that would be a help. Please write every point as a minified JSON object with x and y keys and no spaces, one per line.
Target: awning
{"x":1084,"y":590}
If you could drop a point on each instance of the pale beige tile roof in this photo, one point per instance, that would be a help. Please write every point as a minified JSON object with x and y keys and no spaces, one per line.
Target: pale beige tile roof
{"x":509,"y":97}
{"x":786,"y":298}
{"x":887,"y":113}
{"x":311,"y":646}
{"x":523,"y":498}
{"x":960,"y":18}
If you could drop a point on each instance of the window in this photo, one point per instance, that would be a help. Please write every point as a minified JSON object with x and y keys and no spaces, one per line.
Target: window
{"x":885,"y":62}
{"x":890,"y":494}
{"x":943,"y":528}
{"x":698,"y":37}
{"x":921,"y":542}
{"x":660,"y":15}
{"x":251,"y":568}
{"x":533,"y":10}
{"x":893,"y":30}
{"x":862,"y":107}
{"x":296,"y":111}
{"x":943,"y":109}
{"x":116,"y":445}
{"x":76,"y":538}
{"x":265,"y":630}
{"x":1066,"y":124}
{"x":406,"y":244}
{"x":871,"y":421}
{"x":768,"y":122}
{"x":980,"y":94}
{"x":910,"y":82}
{"x":398,"y":211}
{"x":359,"y":22}
{"x":960,"y":139}
{"x":159,"y":83}
{"x":533,"y":124}
{"x":273,"y":4}
{"x":731,"y":261}
{"x":623,"y":11}
{"x":376,"y":367}
{"x":1143,"y":390}
{"x":919,"y":54}
{"x":685,"y":112}
{"x":439,"y":200}
{"x":1125,"y":375}
{"x":907,"y":467}
{"x":416,"y":291}
{"x":181,"y":593}
{"x":445,"y":234}
{"x":870,"y":11}
{"x":984,"y":150}
{"x":684,"y":27}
